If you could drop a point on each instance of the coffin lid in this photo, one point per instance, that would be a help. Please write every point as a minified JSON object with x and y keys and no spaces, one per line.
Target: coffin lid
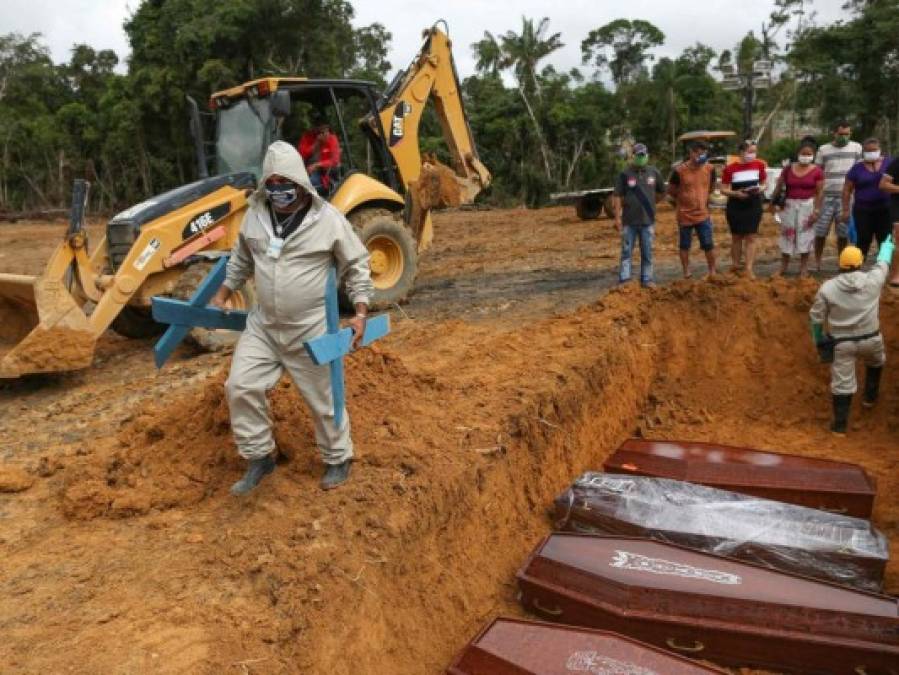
{"x":635,"y":577}
{"x":725,"y":464}
{"x":552,"y":649}
{"x":643,"y":563}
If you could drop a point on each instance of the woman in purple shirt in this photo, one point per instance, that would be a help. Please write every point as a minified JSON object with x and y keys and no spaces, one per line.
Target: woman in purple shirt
{"x":872,"y":205}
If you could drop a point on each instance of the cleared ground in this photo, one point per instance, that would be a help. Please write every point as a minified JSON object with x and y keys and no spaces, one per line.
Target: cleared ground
{"x":511,"y":370}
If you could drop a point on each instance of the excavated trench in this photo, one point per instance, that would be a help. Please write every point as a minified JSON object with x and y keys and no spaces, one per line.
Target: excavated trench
{"x":464,"y":438}
{"x":730,"y":364}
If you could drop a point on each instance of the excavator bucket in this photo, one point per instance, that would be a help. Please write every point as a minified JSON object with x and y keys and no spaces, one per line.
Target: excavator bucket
{"x":42,"y":328}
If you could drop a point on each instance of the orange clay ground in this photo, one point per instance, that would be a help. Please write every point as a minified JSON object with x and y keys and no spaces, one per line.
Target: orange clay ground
{"x":516,"y":366}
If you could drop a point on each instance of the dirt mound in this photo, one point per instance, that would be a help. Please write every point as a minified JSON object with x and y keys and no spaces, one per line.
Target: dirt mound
{"x":462,"y":443}
{"x":181,"y":452}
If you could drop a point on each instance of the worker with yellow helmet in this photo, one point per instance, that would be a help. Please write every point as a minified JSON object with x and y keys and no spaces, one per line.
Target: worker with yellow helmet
{"x":849,"y":306}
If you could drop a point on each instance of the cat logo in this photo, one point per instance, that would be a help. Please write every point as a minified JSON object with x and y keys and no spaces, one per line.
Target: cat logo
{"x":205,"y":220}
{"x":398,"y":127}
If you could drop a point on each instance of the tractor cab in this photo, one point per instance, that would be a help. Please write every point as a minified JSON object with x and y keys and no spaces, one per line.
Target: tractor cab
{"x":249,"y":117}
{"x":365,"y":184}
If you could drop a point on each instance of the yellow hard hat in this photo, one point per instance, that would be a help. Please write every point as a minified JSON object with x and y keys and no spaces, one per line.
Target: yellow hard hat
{"x":851,"y":257}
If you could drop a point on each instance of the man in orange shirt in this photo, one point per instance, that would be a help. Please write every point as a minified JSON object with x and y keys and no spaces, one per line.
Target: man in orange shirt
{"x":320,"y":150}
{"x":690,"y":185}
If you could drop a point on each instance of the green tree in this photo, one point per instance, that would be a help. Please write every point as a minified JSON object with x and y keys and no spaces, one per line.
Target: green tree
{"x":623,"y":47}
{"x":851,"y":68}
{"x":520,"y":53}
{"x":189,"y":47}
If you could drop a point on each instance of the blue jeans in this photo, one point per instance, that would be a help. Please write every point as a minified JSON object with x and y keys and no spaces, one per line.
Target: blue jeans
{"x":316,"y":179}
{"x":629,"y":234}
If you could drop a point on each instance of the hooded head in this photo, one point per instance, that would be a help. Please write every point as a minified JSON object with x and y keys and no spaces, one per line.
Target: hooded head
{"x":282,"y":159}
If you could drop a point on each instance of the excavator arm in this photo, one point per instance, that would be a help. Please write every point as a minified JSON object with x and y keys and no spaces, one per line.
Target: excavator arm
{"x":432,"y":74}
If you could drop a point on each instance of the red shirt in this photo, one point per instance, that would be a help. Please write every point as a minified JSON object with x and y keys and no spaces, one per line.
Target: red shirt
{"x":328,"y":152}
{"x":805,"y":187}
{"x":742,"y":175}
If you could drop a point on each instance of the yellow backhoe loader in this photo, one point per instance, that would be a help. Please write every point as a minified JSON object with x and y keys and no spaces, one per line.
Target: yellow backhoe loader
{"x":163,"y":245}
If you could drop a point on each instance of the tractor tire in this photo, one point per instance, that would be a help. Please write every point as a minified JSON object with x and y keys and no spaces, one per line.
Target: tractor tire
{"x":137,"y":323}
{"x":205,"y":339}
{"x":394,"y":254}
{"x":588,"y":208}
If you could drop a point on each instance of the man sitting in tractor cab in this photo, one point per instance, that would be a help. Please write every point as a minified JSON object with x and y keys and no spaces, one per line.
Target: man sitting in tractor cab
{"x":320,"y":149}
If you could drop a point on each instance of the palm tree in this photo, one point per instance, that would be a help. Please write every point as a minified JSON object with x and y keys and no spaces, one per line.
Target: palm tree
{"x":530,"y":47}
{"x":521,"y":53}
{"x":666,"y":76}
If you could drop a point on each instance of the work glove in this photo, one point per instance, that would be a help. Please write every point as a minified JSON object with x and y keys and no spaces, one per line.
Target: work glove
{"x":885,"y":254}
{"x":823,"y":343}
{"x":817,"y":332}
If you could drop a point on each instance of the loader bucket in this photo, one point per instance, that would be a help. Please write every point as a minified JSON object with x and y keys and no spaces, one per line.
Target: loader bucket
{"x":42,"y":328}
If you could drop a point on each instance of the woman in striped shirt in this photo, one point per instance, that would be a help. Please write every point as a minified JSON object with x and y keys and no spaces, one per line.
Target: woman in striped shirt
{"x":742,"y":183}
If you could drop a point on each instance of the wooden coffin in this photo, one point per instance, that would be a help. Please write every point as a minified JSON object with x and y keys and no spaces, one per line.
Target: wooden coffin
{"x":515,"y":647}
{"x":782,"y":536}
{"x":838,"y":487}
{"x":728,"y":612}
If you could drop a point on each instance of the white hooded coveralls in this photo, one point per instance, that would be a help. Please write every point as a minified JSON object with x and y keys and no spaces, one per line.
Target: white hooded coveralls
{"x":850,"y":305}
{"x":290,"y":309}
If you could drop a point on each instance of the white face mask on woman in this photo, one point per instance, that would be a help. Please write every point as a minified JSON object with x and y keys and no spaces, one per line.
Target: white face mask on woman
{"x":806,"y":159}
{"x":872,"y":156}
{"x":749,"y":157}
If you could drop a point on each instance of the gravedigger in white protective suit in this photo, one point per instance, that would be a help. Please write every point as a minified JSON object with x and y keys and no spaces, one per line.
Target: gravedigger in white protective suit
{"x":849,"y":305}
{"x":288,"y":240}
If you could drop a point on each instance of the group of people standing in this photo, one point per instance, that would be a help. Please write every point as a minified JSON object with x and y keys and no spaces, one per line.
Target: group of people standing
{"x":824,"y":188}
{"x":827,"y":188}
{"x":820,"y":191}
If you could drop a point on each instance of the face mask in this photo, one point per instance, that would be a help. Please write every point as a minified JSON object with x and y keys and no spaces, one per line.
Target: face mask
{"x":281,"y":195}
{"x":641,"y":160}
{"x":702,"y":159}
{"x":872,"y":156}
{"x":841,"y":141}
{"x":749,"y":157}
{"x":805,"y":159}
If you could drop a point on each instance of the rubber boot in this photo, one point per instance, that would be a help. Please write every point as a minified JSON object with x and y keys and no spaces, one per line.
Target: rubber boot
{"x":256,"y":471}
{"x":841,"y":405}
{"x":336,"y":474}
{"x":872,"y":386}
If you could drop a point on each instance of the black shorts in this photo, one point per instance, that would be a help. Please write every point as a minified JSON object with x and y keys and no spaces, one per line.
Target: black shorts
{"x":744,"y":216}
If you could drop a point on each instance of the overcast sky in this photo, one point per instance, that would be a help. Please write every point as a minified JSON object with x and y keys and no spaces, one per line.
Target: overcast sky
{"x":719,"y":23}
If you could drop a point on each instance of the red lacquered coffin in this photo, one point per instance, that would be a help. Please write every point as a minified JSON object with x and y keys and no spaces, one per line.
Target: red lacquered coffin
{"x":838,"y":487}
{"x":782,"y":536}
{"x":728,"y":612}
{"x":514,"y":647}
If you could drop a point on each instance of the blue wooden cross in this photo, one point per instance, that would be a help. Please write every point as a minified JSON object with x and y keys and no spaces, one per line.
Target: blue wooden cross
{"x":182,"y":316}
{"x":329,"y":348}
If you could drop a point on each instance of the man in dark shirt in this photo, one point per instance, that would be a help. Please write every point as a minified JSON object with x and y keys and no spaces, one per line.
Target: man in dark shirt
{"x":635,"y":214}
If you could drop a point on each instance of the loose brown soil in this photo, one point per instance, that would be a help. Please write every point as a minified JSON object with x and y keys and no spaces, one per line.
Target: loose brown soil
{"x":124,"y":553}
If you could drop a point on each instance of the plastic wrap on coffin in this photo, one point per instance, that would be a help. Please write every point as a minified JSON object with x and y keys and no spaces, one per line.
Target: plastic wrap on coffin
{"x":782,"y":536}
